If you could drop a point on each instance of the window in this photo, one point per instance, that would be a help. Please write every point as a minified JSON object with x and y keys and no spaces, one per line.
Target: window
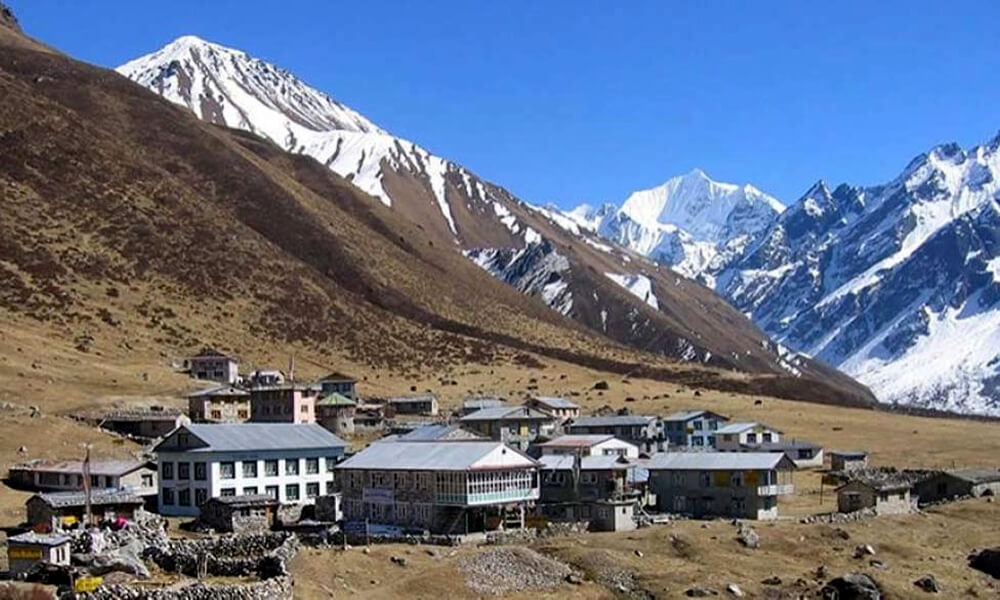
{"x":588,"y":477}
{"x":270,"y":468}
{"x":304,"y":408}
{"x":225,"y":492}
{"x":312,"y":490}
{"x":252,"y":490}
{"x":109,"y":481}
{"x":736,"y":479}
{"x":767,"y":437}
{"x":168,"y":496}
{"x":706,"y":479}
{"x":292,"y":492}
{"x":147,"y":480}
{"x":183,"y":470}
{"x":805,"y":453}
{"x":227,"y":470}
{"x":217,"y":415}
{"x":697,"y":440}
{"x":184,"y":497}
{"x":331,"y":463}
{"x":242,"y":414}
{"x":199,"y":471}
{"x":291,"y":466}
{"x":751,"y":438}
{"x":95,"y":481}
{"x":312,"y":466}
{"x":329,"y":488}
{"x":200,"y":496}
{"x":250,"y":468}
{"x":272,"y":491}
{"x":697,"y":425}
{"x":727,"y":437}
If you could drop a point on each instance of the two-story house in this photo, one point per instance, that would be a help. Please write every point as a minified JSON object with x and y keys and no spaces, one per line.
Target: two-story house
{"x":599,"y":488}
{"x":644,"y":431}
{"x":213,"y":365}
{"x":692,"y":428}
{"x":419,"y":404}
{"x":224,"y":404}
{"x":518,"y":426}
{"x":336,"y":412}
{"x":588,"y":445}
{"x":439,"y":486}
{"x":721,"y":484}
{"x":560,"y":408}
{"x":136,"y":476}
{"x":339,"y":383}
{"x":733,"y":436}
{"x":292,"y":463}
{"x":288,"y":403}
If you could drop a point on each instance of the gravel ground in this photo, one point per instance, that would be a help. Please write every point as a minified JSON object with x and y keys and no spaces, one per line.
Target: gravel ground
{"x":508,"y":570}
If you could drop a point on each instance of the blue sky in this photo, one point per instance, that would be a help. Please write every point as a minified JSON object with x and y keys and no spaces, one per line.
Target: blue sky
{"x":571,"y":102}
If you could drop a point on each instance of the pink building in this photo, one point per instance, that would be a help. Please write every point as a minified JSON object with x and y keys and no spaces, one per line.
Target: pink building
{"x":288,"y":403}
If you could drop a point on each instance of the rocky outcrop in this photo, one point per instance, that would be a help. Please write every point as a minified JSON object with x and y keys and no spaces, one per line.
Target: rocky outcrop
{"x":987,"y":561}
{"x":853,"y":586}
{"x":7,"y":18}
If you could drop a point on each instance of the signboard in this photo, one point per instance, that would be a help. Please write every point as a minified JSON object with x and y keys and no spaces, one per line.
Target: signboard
{"x":24,"y":553}
{"x":87,"y":584}
{"x":377,"y":496}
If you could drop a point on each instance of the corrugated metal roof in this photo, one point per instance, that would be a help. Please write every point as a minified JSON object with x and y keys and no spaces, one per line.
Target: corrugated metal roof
{"x":245,"y":500}
{"x":502,"y":413}
{"x":335,"y":399}
{"x":409,"y":399}
{"x":39,"y":539}
{"x":98,"y":497}
{"x":612,"y":421}
{"x":437,"y":456}
{"x":226,"y":437}
{"x":708,"y":461}
{"x":741,"y":427}
{"x":976,"y":475}
{"x":483,"y":402}
{"x":337,"y":376}
{"x":431,"y":432}
{"x":849,"y":453}
{"x":781,"y":446}
{"x":222,"y":390}
{"x":97,"y":467}
{"x":555,"y":402}
{"x":577,"y":441}
{"x":687,"y":415}
{"x":564,"y":462}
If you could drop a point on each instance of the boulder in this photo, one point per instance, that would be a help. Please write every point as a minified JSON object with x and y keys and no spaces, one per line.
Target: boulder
{"x":863,"y":550}
{"x":928,"y":583}
{"x":853,"y":586}
{"x":772,"y":580}
{"x":987,"y":561}
{"x":700,"y":591}
{"x":748,"y":536}
{"x":735,"y":590}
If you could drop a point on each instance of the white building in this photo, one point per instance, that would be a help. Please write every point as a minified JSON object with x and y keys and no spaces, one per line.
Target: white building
{"x":589,"y":445}
{"x":292,"y":463}
{"x":212,"y":365}
{"x":732,"y":437}
{"x":560,"y":408}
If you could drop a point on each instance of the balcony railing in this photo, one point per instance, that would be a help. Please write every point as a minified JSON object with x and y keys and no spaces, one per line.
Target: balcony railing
{"x":777,"y":489}
{"x":509,"y":495}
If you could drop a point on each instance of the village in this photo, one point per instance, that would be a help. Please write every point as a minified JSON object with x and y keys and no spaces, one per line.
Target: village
{"x":262,"y":463}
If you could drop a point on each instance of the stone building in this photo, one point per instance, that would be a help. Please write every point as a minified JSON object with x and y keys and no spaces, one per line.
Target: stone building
{"x":288,"y":403}
{"x":848,"y":460}
{"x":339,"y":383}
{"x":26,"y":550}
{"x":518,"y":426}
{"x":49,"y":475}
{"x":721,"y":484}
{"x":474,"y":403}
{"x":212,"y":365}
{"x":335,"y":412}
{"x":644,"y":431}
{"x":50,"y":511}
{"x":421,"y":404}
{"x":596,"y":488}
{"x":886,"y":494}
{"x":145,"y":423}
{"x":223,"y":404}
{"x":244,"y":513}
{"x":447,"y":487}
{"x":805,"y":455}
{"x":292,"y":463}
{"x":441,"y":432}
{"x":957,"y":483}
{"x":560,"y":408}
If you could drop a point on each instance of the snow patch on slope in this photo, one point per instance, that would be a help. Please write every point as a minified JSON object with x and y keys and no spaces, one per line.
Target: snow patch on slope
{"x":639,"y":286}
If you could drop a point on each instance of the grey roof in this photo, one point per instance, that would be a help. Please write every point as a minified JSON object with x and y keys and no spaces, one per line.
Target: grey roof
{"x":337,"y":376}
{"x":612,"y":421}
{"x":483,"y":402}
{"x":850,"y":453}
{"x":507,"y":413}
{"x":335,"y":399}
{"x":222,"y":390}
{"x":97,"y":467}
{"x":741,"y":427}
{"x":228,"y":437}
{"x":577,"y":441}
{"x":432,"y":432}
{"x":782,"y":446}
{"x":564,"y":462}
{"x":709,"y":461}
{"x":411,"y":399}
{"x":882,"y":482}
{"x":244,"y":500}
{"x":40,"y":539}
{"x":98,"y":497}
{"x":976,"y":475}
{"x":432,"y":456}
{"x":687,"y":415}
{"x":555,"y":402}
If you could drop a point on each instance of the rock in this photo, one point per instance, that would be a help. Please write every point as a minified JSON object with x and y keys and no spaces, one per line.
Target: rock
{"x":928,"y":584}
{"x":126,"y":559}
{"x":772,"y":580}
{"x":399,"y":560}
{"x":574,"y":579}
{"x":431,"y":552}
{"x":700,"y":591}
{"x":987,"y":561}
{"x":601,"y":385}
{"x":735,"y":590}
{"x":638,"y":553}
{"x":876,"y":563}
{"x":366,"y":550}
{"x":748,"y":536}
{"x":842,"y":534}
{"x":22,"y":450}
{"x":864,"y":549}
{"x":822,"y":572}
{"x":853,"y":586}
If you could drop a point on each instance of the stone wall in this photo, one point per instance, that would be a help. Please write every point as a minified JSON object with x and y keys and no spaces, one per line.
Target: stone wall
{"x":261,"y":554}
{"x":276,"y":588}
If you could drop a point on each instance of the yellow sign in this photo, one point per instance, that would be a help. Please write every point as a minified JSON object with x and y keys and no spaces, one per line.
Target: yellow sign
{"x":68,"y":520}
{"x":87,"y":584}
{"x":24,"y":553}
{"x":721,"y":478}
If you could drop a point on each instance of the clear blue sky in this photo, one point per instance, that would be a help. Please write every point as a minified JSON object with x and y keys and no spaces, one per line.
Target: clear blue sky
{"x":568,"y":102}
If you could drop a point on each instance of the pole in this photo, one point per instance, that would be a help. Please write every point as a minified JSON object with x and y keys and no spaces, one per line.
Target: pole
{"x":86,"y":485}
{"x":367,"y":535}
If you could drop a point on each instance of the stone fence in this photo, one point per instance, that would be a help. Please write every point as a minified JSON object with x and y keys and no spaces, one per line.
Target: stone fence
{"x":276,"y":588}
{"x":261,"y":554}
